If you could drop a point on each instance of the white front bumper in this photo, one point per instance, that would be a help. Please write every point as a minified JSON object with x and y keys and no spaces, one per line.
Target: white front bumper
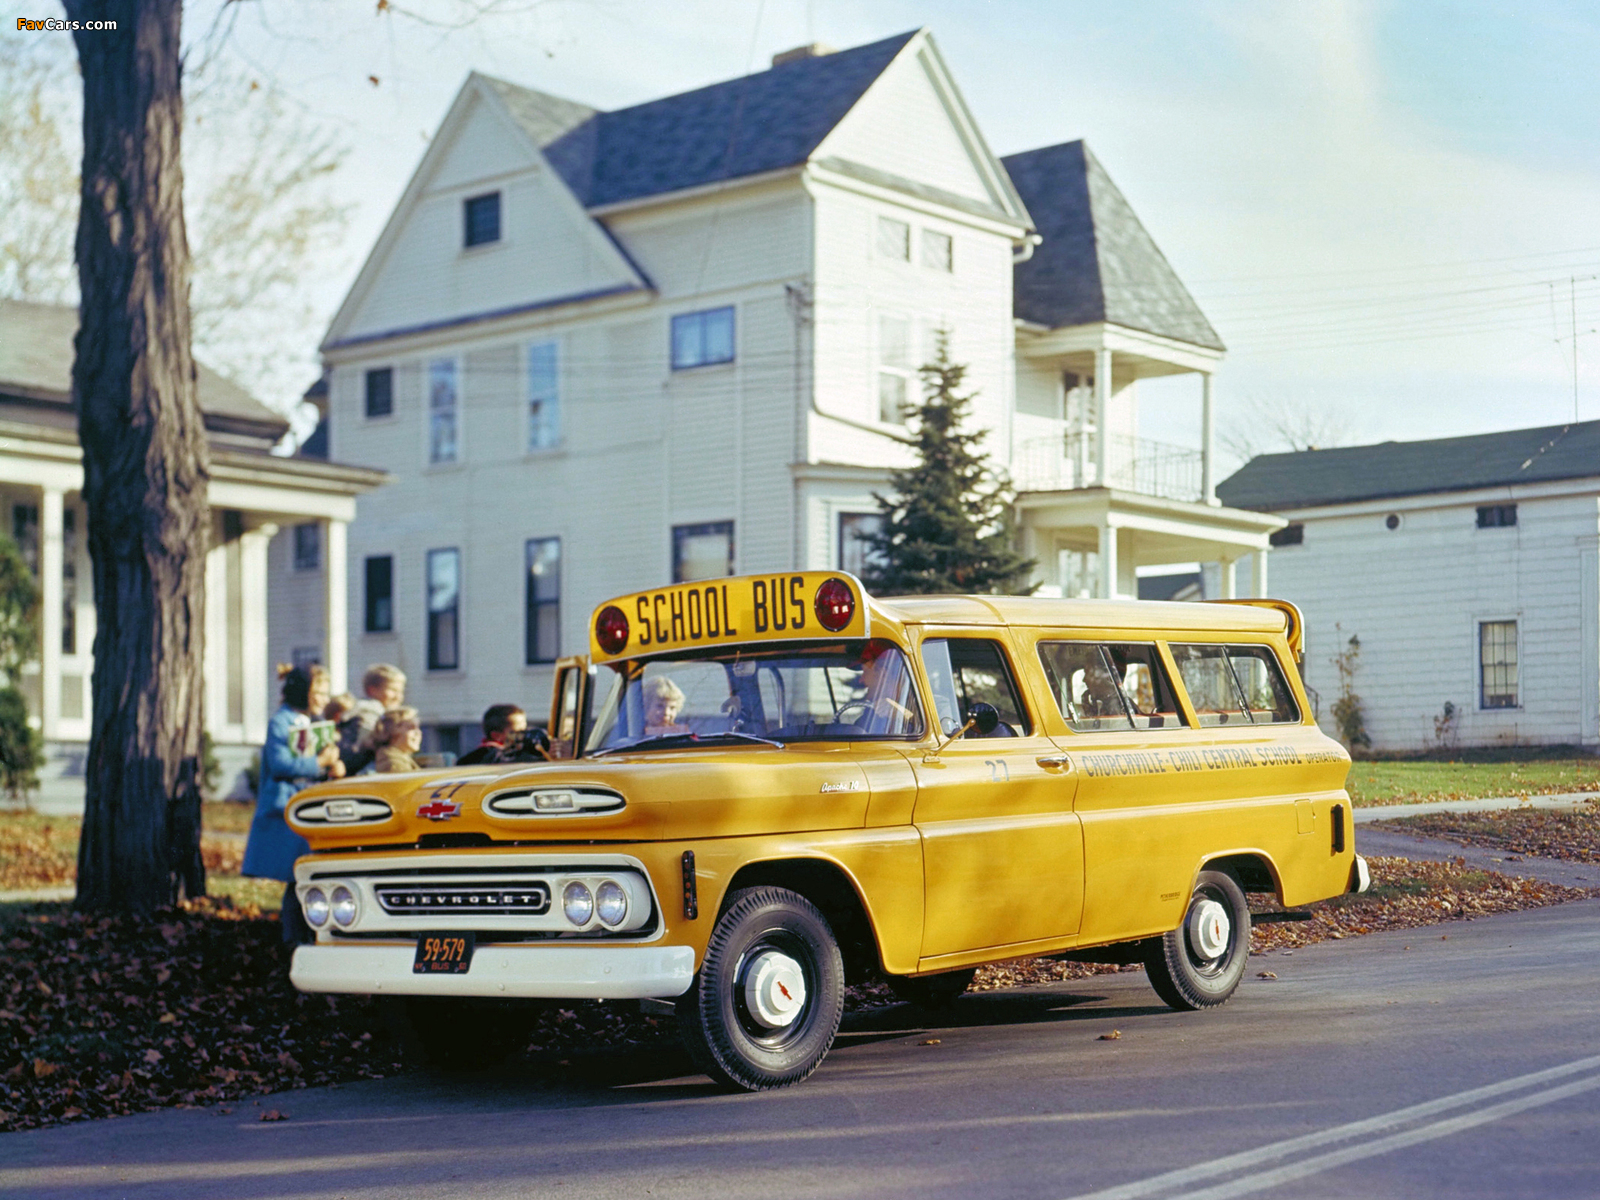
{"x":521,"y":971}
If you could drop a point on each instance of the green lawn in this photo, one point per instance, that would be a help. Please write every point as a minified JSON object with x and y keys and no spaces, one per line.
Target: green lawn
{"x":1415,"y":781}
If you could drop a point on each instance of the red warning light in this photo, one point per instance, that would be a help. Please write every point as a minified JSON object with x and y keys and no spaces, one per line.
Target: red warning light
{"x":835,"y":605}
{"x":611,"y":629}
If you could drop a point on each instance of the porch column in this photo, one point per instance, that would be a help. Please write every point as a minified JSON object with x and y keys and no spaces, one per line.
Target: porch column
{"x":1108,"y":562}
{"x":1228,"y":568}
{"x":50,"y":589}
{"x":1258,"y":573}
{"x":1208,"y":441}
{"x":336,"y":603}
{"x":257,"y":673}
{"x":1102,"y":409}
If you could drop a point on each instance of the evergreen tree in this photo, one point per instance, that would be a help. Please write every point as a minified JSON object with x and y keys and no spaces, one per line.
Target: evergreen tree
{"x":21,"y":747}
{"x":948,"y":527}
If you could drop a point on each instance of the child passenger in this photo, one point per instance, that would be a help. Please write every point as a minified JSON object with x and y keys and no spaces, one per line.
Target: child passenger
{"x":397,"y":737}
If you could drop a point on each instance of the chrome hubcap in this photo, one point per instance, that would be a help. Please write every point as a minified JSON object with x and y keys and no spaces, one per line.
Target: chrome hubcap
{"x":1209,"y":928}
{"x":774,"y":989}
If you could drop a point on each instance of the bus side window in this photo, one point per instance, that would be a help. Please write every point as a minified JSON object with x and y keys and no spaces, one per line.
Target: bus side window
{"x":1269,"y":700}
{"x":1085,"y":686}
{"x":1210,"y":683}
{"x":968,"y":671}
{"x":1145,"y":688}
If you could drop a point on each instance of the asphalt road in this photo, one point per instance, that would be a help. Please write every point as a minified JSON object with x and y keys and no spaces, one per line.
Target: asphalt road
{"x":1453,"y":1061}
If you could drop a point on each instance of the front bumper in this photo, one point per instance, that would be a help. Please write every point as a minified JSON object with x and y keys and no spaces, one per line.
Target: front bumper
{"x":522,"y":971}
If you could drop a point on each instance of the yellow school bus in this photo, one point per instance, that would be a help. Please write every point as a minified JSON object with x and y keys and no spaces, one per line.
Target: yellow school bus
{"x":777,"y":783}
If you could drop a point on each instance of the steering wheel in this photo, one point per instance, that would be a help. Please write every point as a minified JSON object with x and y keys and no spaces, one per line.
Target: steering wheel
{"x":852,"y":706}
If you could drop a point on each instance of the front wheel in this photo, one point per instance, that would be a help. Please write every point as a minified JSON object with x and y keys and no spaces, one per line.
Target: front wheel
{"x":766,"y":1004}
{"x":1200,"y":963}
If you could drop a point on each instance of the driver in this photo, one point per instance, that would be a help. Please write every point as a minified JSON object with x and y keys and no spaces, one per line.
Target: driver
{"x":663,"y":701}
{"x":887,"y":683}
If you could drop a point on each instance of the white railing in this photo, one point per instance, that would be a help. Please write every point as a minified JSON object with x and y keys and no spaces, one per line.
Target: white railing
{"x":1134,"y":465}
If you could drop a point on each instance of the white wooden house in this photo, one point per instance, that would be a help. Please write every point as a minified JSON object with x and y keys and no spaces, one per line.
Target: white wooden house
{"x":600,"y":350}
{"x":1468,"y":567}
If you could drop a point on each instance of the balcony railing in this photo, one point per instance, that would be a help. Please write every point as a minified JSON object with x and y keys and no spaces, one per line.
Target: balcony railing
{"x":1133,"y":465}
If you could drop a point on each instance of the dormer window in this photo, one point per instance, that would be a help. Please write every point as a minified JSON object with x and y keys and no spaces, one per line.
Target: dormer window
{"x":894,"y":239}
{"x":482,"y":219}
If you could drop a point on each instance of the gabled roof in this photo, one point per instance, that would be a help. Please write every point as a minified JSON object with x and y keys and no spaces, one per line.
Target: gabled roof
{"x":746,"y":126}
{"x":1312,"y":478}
{"x":1096,"y":262}
{"x":36,"y":355}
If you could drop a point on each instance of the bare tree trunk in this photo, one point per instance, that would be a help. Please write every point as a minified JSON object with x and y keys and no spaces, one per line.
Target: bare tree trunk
{"x":145,"y":465}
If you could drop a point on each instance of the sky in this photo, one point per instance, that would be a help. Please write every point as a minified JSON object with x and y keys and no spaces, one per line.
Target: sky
{"x":1389,"y":211}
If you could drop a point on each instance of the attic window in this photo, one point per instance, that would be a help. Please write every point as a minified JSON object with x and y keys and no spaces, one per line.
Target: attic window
{"x":937,"y":250}
{"x":1289,"y":535}
{"x":894,"y":239}
{"x":1496,"y":516}
{"x":482,"y":217}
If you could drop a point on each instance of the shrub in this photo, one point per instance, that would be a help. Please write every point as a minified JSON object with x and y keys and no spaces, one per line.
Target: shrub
{"x":21,"y":747}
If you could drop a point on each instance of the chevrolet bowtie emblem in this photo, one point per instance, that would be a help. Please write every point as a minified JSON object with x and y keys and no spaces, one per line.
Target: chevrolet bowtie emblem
{"x":439,"y":810}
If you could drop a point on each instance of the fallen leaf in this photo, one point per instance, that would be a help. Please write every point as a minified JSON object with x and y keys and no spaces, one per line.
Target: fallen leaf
{"x":1114,"y":1036}
{"x":929,"y":1042}
{"x":1266,"y":974}
{"x":152,"y":1056}
{"x":273,"y":1114}
{"x":43,"y":1069}
{"x":166,"y":1018}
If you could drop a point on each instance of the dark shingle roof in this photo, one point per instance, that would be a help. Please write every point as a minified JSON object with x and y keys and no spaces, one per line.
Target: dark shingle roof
{"x":745,"y":126}
{"x":1310,"y":478}
{"x":1097,"y":262}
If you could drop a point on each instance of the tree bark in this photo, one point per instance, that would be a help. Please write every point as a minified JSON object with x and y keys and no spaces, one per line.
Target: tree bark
{"x":145,"y":465}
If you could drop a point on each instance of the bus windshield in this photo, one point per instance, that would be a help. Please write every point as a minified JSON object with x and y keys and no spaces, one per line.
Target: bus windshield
{"x":848,"y":691}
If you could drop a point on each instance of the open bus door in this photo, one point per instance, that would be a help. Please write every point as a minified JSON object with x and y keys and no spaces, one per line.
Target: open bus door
{"x":570,"y":704}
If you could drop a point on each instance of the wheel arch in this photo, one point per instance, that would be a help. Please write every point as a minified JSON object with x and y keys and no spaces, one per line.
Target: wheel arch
{"x":833,"y":890}
{"x":1254,"y":869}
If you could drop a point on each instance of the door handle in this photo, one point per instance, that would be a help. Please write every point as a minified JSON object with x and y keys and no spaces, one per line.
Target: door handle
{"x":1054,"y":760}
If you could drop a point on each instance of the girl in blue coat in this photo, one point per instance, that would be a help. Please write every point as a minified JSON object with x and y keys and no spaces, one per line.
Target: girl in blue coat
{"x":273,"y":846}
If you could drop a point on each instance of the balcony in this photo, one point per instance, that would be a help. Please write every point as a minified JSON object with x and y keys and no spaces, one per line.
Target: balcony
{"x":1134,"y":464}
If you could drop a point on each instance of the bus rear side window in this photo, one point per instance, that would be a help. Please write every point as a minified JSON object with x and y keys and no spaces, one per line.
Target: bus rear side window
{"x":1236,"y":685}
{"x":1269,"y":699}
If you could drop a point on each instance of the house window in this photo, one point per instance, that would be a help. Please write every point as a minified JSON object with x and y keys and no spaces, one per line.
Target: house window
{"x":25,"y":532}
{"x":380,"y":594}
{"x":938,"y":251}
{"x":542,"y":637}
{"x":444,"y":403}
{"x":702,"y":339}
{"x":1497,"y":664}
{"x":855,"y":555}
{"x":1289,"y":535}
{"x":308,"y":546}
{"x":380,"y":392}
{"x":69,"y":582}
{"x":544,"y":397}
{"x":482,"y":216}
{"x":702,"y":551}
{"x":444,"y":610}
{"x":1496,"y":516}
{"x":894,"y":239}
{"x":894,"y":369}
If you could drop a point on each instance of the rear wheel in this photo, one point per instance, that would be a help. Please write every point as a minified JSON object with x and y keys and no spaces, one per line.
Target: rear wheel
{"x":1199,"y":964}
{"x":766,"y":1004}
{"x":932,"y":991}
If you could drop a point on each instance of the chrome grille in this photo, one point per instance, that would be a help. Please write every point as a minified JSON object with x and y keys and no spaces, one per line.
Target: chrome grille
{"x":518,"y":898}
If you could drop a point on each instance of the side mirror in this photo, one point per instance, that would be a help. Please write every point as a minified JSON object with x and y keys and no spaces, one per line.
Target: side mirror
{"x":985,"y":718}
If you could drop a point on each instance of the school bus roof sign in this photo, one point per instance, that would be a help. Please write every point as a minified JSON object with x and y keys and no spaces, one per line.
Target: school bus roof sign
{"x":741,"y":609}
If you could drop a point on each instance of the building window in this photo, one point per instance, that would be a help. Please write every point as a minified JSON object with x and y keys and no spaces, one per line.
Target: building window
{"x":69,"y":582}
{"x":938,"y":250}
{"x":380,"y":594}
{"x":894,"y":239}
{"x":855,"y":555}
{"x":482,"y":214}
{"x":702,"y":551}
{"x":702,"y":339}
{"x":1289,"y":535}
{"x":544,"y":397}
{"x":542,"y":638}
{"x":894,"y":369}
{"x":1497,"y":664}
{"x":308,"y":546}
{"x":25,"y":532}
{"x":444,"y":610}
{"x":380,"y":392}
{"x":444,"y":406}
{"x":1496,"y":516}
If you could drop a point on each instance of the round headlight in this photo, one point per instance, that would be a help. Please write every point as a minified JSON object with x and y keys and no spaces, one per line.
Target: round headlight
{"x":344,"y":906}
{"x":577,"y":903}
{"x":611,"y":903}
{"x":316,"y":907}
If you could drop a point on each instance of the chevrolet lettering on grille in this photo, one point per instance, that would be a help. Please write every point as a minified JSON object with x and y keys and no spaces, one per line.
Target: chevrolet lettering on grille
{"x":532,"y":898}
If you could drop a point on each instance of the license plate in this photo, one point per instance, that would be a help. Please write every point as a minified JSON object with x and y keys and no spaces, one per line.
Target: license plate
{"x":442,"y":954}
